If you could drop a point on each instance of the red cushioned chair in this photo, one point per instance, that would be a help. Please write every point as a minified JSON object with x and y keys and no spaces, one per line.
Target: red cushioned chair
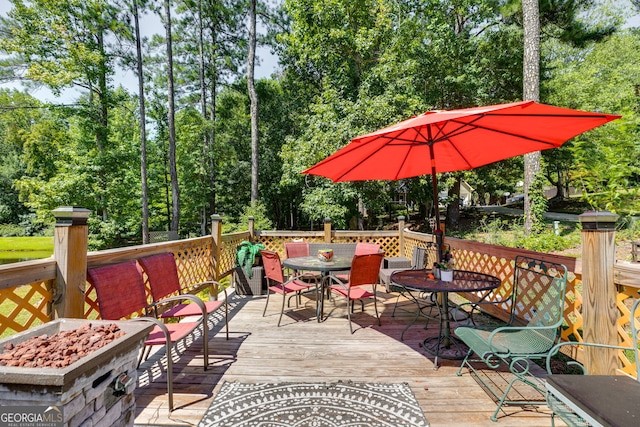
{"x":121,"y":294}
{"x":362,"y":248}
{"x":162,"y":276}
{"x":367,"y":248}
{"x":364,"y":272}
{"x":296,"y":249}
{"x":300,"y":249}
{"x":278,"y":284}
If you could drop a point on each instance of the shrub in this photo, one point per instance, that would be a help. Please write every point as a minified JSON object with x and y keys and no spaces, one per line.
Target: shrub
{"x":11,"y":230}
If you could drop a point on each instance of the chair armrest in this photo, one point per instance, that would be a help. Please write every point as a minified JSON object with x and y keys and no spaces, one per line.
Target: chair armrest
{"x":183,"y":297}
{"x":155,"y":322}
{"x":300,"y":276}
{"x":556,"y":349}
{"x":332,"y":278}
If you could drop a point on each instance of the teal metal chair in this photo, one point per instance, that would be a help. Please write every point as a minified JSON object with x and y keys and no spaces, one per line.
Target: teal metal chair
{"x":560,"y":408}
{"x":536,"y":314}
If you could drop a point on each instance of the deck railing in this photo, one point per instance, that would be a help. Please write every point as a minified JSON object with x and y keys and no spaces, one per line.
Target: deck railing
{"x":31,"y":290}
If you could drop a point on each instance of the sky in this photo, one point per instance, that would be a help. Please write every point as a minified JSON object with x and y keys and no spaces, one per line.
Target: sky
{"x":149,"y":25}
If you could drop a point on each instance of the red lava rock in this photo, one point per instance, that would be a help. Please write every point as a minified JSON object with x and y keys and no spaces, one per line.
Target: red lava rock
{"x":59,"y":350}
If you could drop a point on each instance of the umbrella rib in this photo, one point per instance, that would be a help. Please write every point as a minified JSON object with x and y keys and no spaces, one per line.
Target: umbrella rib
{"x":472,"y":126}
{"x":570,"y":116}
{"x":462,"y":156}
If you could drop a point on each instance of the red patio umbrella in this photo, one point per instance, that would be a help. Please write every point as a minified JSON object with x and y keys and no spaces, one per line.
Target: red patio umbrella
{"x":455,"y":140}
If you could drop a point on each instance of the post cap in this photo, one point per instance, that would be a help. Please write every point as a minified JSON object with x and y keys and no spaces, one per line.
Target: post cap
{"x":327,"y":220}
{"x":71,"y":215}
{"x":598,"y":220}
{"x":401,"y":218}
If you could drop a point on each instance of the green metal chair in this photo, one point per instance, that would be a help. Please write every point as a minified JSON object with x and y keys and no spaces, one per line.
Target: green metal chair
{"x":560,"y":408}
{"x":536,"y":314}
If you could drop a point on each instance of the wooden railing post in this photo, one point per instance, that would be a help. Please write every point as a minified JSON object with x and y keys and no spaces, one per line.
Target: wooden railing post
{"x":327,"y":230}
{"x":216,"y":235}
{"x":252,"y":228}
{"x":401,"y":235}
{"x":70,"y":252}
{"x":599,"y":311}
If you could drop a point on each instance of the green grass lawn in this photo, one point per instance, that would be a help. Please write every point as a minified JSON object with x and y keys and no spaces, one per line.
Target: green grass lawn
{"x":40,"y":244}
{"x":13,"y":249}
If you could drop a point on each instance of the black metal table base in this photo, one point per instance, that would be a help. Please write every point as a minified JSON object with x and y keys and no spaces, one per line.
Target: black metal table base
{"x":447,"y":348}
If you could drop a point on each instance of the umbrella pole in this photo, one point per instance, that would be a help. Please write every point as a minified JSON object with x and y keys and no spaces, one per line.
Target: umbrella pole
{"x":436,"y":203}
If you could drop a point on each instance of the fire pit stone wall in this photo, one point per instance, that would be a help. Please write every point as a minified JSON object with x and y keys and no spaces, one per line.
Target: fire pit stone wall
{"x":97,"y":390}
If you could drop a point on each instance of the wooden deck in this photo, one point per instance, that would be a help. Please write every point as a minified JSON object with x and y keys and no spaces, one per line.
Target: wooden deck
{"x":304,"y":350}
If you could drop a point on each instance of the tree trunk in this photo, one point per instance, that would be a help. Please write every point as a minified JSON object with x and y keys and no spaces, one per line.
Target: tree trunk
{"x":175,"y":190}
{"x":102,"y":129}
{"x":253,"y":96}
{"x":530,"y":91}
{"x":203,"y":109}
{"x":143,"y":130}
{"x":212,"y":140}
{"x":453,"y":209}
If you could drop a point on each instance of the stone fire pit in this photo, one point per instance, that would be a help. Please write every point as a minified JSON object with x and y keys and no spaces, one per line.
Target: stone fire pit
{"x":95,"y":390}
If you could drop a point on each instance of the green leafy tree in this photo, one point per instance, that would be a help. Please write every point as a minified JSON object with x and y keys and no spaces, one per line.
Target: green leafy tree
{"x":604,"y":165}
{"x":18,"y":112}
{"x":65,"y":44}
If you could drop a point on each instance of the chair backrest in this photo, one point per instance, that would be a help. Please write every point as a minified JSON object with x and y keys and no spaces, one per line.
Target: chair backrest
{"x":365,"y":269}
{"x":296,"y":249}
{"x":418,"y":258}
{"x":538,"y":295}
{"x":119,"y":288}
{"x":272,"y":266}
{"x":162,"y":275}
{"x":367,"y":248}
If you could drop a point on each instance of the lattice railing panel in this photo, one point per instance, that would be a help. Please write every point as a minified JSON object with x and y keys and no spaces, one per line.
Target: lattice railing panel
{"x":389,"y":244}
{"x":228,"y":251}
{"x":275,"y":244}
{"x":572,"y":329}
{"x":91,"y":308}
{"x":24,"y":307}
{"x":194,"y":265}
{"x":624,"y":300}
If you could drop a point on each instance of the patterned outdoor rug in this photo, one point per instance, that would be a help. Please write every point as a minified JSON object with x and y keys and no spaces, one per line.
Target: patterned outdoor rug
{"x":314,"y":404}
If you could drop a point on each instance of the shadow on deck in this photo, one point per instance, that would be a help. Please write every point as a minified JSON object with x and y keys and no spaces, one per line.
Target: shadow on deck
{"x":304,"y":350}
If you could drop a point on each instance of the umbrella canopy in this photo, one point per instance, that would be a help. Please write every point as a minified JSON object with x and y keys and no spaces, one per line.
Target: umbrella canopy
{"x":455,"y":140}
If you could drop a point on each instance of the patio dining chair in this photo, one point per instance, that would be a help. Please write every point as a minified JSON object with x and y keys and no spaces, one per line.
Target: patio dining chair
{"x":121,"y":294}
{"x":362,"y":248}
{"x":296,"y":249}
{"x":537,"y":308}
{"x":418,"y":262}
{"x":163,"y":280}
{"x":300,"y":249}
{"x":364,"y":272}
{"x":277,"y":283}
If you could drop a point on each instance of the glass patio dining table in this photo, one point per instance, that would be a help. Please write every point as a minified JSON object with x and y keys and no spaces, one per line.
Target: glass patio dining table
{"x":325,"y":268}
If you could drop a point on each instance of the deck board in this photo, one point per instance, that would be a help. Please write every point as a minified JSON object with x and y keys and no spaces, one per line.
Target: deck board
{"x":305,"y":350}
